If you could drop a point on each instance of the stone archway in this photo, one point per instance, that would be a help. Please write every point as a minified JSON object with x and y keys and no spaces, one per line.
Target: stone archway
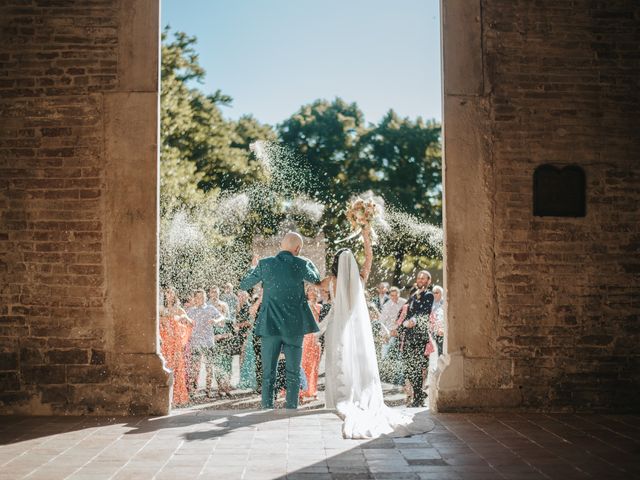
{"x":111,"y":364}
{"x":131,"y":241}
{"x":542,"y":311}
{"x":471,"y":374}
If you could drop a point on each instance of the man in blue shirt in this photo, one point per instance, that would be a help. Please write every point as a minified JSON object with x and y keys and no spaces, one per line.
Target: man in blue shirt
{"x":202,"y":342}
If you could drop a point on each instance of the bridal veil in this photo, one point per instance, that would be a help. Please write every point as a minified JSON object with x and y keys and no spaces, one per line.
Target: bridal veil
{"x":353,"y":384}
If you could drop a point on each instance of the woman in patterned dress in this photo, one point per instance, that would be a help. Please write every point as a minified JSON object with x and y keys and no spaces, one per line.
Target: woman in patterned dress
{"x":311,"y":350}
{"x":175,"y":331}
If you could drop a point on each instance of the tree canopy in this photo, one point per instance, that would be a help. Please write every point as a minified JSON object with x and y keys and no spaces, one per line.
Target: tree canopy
{"x":332,"y":155}
{"x":201,"y":151}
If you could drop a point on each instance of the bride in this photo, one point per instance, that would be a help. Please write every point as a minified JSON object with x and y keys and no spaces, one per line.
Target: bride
{"x":352,"y":380}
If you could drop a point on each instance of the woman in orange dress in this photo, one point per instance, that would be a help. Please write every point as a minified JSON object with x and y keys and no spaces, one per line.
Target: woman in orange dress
{"x":311,"y":350}
{"x":175,"y":330}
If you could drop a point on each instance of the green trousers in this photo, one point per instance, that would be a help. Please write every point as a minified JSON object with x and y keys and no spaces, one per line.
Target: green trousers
{"x":271,"y":348}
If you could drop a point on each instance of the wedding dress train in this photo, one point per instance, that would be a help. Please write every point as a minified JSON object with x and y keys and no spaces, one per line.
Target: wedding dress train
{"x":352,"y":380}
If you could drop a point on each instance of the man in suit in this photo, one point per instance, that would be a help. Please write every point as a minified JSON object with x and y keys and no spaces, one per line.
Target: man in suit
{"x":285,"y":316}
{"x":413,"y":332}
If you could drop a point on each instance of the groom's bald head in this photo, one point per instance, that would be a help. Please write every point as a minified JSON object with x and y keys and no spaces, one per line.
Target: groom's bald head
{"x":292,"y":242}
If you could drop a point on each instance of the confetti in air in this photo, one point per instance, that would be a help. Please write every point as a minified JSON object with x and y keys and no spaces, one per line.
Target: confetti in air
{"x":212,"y":243}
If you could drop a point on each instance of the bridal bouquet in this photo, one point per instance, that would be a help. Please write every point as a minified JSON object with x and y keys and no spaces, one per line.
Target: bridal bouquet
{"x":361,"y":214}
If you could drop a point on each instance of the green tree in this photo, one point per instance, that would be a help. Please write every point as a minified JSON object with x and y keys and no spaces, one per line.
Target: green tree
{"x":247,"y":131}
{"x":201,"y":155}
{"x":201,"y":151}
{"x":326,"y":135}
{"x":398,"y":159}
{"x":178,"y":173}
{"x":206,"y":160}
{"x":406,"y":158}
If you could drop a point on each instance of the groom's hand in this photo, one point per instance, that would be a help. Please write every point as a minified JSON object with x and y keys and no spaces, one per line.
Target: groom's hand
{"x":255,"y":260}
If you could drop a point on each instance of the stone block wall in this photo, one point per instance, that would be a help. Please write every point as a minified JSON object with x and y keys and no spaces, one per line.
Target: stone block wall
{"x":67,"y":273}
{"x":544,"y":313}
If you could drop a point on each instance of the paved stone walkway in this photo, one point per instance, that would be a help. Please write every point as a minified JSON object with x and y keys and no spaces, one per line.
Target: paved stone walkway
{"x":307,"y":445}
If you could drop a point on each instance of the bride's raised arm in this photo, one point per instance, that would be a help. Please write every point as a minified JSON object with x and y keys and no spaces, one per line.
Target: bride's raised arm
{"x":368,"y":254}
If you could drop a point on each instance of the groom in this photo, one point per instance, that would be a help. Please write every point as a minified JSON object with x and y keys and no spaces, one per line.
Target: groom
{"x":285,"y":316}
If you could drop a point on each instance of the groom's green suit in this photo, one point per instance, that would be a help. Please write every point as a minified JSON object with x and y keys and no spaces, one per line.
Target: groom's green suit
{"x":284,"y":318}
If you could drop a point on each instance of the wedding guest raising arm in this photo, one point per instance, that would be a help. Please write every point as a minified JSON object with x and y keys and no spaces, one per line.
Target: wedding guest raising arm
{"x":230,"y":298}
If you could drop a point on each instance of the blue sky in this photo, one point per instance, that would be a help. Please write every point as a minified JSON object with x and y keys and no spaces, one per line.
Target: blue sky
{"x":272,"y":56}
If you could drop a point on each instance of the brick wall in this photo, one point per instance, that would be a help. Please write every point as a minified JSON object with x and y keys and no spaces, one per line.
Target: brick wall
{"x":57,"y":60}
{"x":563,"y":83}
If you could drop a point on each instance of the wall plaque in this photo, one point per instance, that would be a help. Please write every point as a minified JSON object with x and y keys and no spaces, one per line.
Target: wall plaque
{"x":559,"y":192}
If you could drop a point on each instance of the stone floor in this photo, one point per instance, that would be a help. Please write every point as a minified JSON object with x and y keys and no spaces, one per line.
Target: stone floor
{"x":204,"y":443}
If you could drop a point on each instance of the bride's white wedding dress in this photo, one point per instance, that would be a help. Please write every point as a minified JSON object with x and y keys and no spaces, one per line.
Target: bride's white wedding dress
{"x":352,"y":380}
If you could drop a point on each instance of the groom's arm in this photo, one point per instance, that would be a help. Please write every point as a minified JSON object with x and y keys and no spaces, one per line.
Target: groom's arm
{"x":252,"y":278}
{"x":311,"y":273}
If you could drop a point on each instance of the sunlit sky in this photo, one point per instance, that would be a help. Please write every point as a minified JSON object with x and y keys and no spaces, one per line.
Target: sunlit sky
{"x":272,"y":56}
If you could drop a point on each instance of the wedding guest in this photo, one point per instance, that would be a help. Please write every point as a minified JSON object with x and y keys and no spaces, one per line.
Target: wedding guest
{"x":189,"y":301}
{"x":257,"y":342}
{"x":230,"y":298}
{"x":311,"y":350}
{"x":244,"y":323}
{"x":325,"y":300}
{"x":392,"y":367}
{"x":216,"y":301}
{"x":224,"y":332}
{"x":437,"y":318}
{"x":389,"y":314}
{"x":380,"y":332}
{"x":414,"y":332}
{"x":383,"y":295}
{"x":202,"y":340}
{"x":175,"y":330}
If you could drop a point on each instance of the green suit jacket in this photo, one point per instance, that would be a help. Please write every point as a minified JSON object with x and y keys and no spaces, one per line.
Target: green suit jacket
{"x":284,"y":310}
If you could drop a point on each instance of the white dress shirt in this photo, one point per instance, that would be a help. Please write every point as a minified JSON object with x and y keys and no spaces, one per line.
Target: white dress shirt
{"x":390,"y":311}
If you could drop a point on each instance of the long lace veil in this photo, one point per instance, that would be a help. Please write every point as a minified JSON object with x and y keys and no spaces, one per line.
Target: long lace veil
{"x":352,"y":381}
{"x":360,"y":380}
